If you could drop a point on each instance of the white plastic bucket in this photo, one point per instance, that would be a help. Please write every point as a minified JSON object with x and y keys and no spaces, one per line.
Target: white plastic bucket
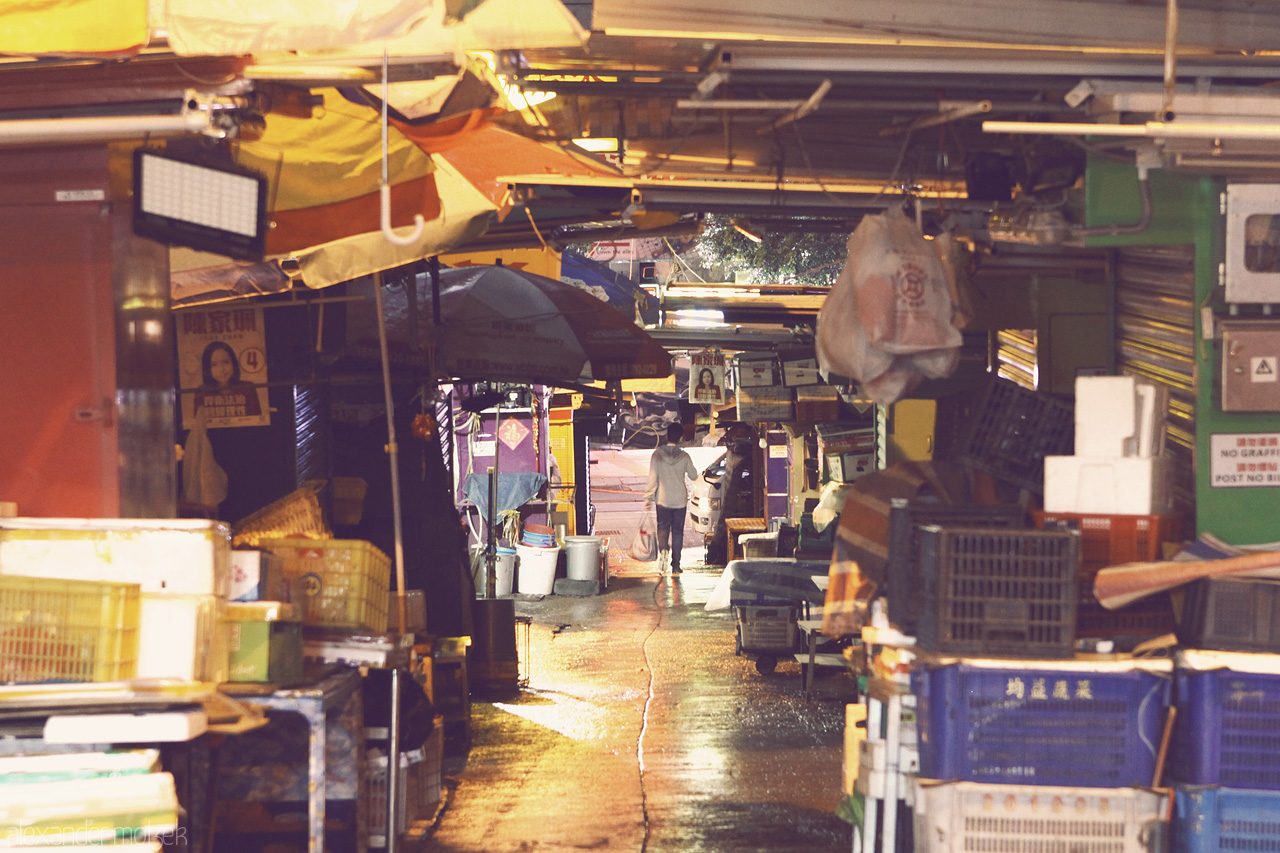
{"x":537,"y":569}
{"x":504,"y":566}
{"x":583,"y":557}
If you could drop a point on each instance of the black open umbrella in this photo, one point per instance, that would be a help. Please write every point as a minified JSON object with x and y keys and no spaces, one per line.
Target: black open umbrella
{"x":503,"y":324}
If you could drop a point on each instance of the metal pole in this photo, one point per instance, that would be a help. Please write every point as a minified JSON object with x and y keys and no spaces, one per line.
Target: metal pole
{"x":1170,"y":59}
{"x":491,"y":555}
{"x":393,"y":764}
{"x":434,"y":267}
{"x":393,"y":453}
{"x":491,"y":546}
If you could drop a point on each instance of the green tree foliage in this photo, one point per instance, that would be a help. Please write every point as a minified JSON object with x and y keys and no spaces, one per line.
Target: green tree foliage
{"x":791,"y":256}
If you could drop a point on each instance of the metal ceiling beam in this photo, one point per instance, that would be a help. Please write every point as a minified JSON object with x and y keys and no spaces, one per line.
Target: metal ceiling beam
{"x":738,"y":338}
{"x":994,"y":63}
{"x":1080,"y":24}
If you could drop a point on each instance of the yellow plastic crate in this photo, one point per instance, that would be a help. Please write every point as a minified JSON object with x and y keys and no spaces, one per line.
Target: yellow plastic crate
{"x":68,"y":630}
{"x":345,"y":583}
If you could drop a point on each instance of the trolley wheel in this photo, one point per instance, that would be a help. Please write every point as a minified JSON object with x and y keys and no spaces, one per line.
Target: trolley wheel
{"x":765,"y":664}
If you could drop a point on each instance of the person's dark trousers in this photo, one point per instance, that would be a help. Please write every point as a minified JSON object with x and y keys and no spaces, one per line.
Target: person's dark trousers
{"x":671,"y":532}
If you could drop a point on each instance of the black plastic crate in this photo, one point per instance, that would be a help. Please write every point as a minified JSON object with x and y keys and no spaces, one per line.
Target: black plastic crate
{"x":902,"y":586}
{"x":1151,"y":616}
{"x":1012,"y":430}
{"x":1232,"y":614}
{"x":998,"y":592}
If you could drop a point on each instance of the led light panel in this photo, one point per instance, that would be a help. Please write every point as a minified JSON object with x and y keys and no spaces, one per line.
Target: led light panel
{"x":211,"y":209}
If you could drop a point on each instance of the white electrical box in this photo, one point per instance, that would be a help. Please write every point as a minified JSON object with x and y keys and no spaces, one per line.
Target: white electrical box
{"x":1253,"y":244}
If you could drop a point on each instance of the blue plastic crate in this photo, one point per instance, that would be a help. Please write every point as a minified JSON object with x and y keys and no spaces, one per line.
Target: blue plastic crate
{"x":1042,"y":723}
{"x":1207,"y":820}
{"x":1227,"y":730}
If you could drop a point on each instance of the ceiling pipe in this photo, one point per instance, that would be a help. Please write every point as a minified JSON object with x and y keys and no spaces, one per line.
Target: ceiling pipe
{"x":801,"y":111}
{"x":1151,"y":129}
{"x":1170,"y":59}
{"x":943,"y":116}
{"x":103,"y":128}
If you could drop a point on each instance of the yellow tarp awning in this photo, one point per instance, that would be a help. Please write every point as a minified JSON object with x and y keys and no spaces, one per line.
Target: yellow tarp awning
{"x":73,"y":27}
{"x":282,"y":31}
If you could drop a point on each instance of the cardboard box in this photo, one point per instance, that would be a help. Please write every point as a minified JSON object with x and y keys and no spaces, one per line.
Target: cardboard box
{"x":264,"y":642}
{"x":801,"y":372}
{"x":760,"y":405}
{"x":837,"y":438}
{"x":817,"y":404}
{"x":755,"y":371}
{"x":847,"y":467}
{"x":258,"y":576}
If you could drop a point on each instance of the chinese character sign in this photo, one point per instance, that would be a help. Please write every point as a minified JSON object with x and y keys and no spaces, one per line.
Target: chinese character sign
{"x":222,"y":367}
{"x":706,"y":378}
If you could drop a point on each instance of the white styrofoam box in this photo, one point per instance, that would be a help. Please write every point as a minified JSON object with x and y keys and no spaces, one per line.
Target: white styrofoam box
{"x":182,"y":636}
{"x":185,"y":556}
{"x":1113,"y":486}
{"x":873,"y":755}
{"x":870,"y":783}
{"x":1119,"y":416}
{"x":958,"y":816}
{"x":1106,"y":415}
{"x":1153,"y":409}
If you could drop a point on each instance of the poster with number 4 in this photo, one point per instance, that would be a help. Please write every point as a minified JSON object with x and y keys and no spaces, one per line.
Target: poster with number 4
{"x":222,"y":367}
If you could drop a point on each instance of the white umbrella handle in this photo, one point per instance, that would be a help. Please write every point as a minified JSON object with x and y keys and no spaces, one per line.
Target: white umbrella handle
{"x":419,"y":224}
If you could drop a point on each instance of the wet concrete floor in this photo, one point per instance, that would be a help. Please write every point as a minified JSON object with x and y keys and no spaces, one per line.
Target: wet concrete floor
{"x":641,"y":729}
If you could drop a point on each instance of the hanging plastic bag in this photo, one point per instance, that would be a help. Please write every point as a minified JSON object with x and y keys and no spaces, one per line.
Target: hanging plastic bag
{"x":903,"y":296}
{"x":887,"y":322}
{"x":203,"y":481}
{"x":645,"y":546}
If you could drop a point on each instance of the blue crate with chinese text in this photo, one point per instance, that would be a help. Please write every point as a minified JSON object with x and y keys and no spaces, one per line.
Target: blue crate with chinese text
{"x":1076,"y":723}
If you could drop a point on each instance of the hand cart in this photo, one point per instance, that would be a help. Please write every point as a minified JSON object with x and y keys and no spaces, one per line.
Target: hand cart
{"x":767,"y":631}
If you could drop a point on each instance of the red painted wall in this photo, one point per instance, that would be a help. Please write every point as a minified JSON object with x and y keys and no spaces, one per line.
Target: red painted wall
{"x":58,"y":438}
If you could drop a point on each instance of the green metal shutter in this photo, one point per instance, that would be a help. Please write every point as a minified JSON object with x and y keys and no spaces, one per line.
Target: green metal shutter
{"x":1155,"y":339}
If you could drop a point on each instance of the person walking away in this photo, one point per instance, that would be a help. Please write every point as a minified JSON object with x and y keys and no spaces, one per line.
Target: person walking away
{"x":669,"y":468}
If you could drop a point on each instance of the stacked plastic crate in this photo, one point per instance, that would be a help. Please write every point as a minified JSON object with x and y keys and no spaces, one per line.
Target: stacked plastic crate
{"x":1114,"y":491}
{"x":1225,"y":755}
{"x":181,"y":572}
{"x":1022,"y":746}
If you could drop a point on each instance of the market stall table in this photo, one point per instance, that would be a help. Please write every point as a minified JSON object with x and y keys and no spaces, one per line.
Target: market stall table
{"x":317,"y":702}
{"x":811,"y":658}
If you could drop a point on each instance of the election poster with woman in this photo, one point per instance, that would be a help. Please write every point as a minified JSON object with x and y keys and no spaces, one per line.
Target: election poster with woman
{"x":706,"y":377}
{"x":222,"y":367}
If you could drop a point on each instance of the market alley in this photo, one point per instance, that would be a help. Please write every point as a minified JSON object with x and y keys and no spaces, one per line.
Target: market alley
{"x":641,"y":729}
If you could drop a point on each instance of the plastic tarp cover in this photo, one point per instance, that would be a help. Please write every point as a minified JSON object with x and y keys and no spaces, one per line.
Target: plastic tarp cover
{"x":610,"y":286}
{"x":239,"y":27}
{"x":772,"y":579}
{"x":514,"y":489}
